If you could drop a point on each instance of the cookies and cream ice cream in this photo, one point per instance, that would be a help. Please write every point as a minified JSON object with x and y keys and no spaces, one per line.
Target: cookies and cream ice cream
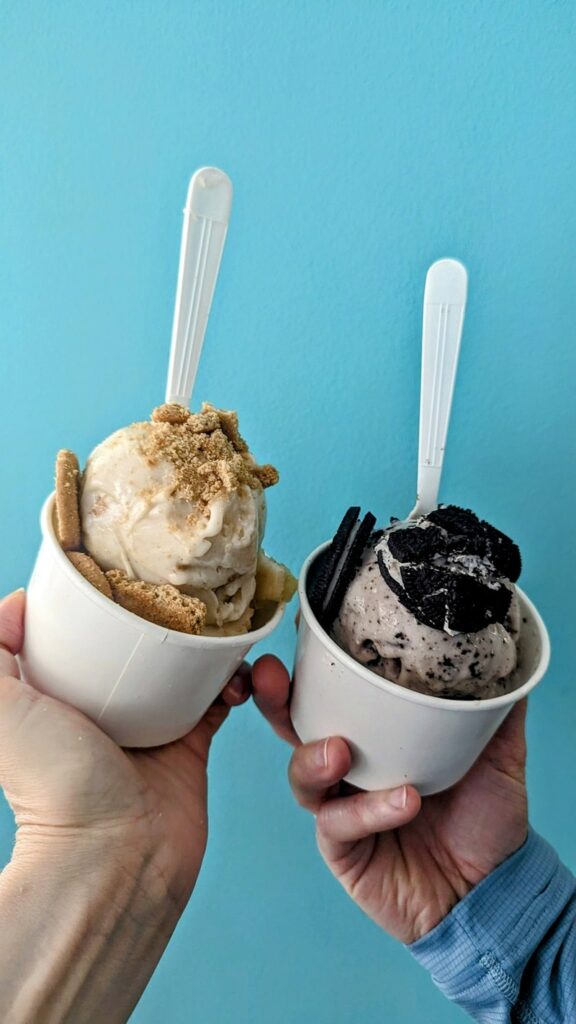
{"x":179,"y":502}
{"x":379,"y":631}
{"x":431,"y":605}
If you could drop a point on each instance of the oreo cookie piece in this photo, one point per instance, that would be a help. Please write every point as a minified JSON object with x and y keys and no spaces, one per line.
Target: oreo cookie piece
{"x":455,"y":520}
{"x":503,"y":552}
{"x":423,"y":591}
{"x":473,"y":604}
{"x":411,"y":544}
{"x":446,"y":600}
{"x":467,"y":534}
{"x":335,"y":569}
{"x":322,"y":571}
{"x":427,"y":590}
{"x":452,"y":570}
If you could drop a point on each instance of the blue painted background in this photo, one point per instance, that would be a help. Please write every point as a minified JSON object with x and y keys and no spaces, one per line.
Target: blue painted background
{"x":364,"y":141}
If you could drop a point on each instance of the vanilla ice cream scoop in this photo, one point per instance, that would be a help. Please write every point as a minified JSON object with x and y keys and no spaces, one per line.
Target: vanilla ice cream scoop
{"x":180,"y":500}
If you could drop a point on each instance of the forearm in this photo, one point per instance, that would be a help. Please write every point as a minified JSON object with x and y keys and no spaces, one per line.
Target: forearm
{"x":508,"y":950}
{"x":83,"y":924}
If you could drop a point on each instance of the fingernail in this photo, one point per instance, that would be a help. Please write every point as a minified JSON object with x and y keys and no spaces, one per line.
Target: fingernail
{"x":321,"y":754}
{"x":398,"y":798}
{"x":236,"y":685}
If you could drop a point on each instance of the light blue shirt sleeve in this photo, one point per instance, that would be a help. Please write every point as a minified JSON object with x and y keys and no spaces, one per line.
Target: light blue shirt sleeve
{"x":507,"y":951}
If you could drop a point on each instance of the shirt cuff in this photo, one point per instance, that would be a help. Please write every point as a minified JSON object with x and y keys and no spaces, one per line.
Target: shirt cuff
{"x":477,"y":953}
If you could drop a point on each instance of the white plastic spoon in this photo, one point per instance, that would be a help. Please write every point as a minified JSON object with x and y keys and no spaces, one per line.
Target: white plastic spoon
{"x":444,"y":307}
{"x":206,"y":216}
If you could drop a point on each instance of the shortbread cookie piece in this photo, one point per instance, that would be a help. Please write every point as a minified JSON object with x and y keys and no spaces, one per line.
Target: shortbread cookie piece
{"x":159,"y":603}
{"x":68,"y":526}
{"x":91,"y":572}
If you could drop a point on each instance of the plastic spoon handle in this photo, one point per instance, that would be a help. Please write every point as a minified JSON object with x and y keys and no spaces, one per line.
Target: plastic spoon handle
{"x":444,"y":307}
{"x":206,"y":216}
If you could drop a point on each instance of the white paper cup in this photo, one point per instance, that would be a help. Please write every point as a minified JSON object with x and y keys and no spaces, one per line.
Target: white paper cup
{"x":398,"y":736}
{"x":142,"y":684}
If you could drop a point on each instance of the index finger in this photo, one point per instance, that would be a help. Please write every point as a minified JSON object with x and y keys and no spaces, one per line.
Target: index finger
{"x":11,"y":631}
{"x":271,"y":693}
{"x":316,"y":769}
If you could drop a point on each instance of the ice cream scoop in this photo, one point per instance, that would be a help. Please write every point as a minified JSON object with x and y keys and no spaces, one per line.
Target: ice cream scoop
{"x":430,"y":607}
{"x":180,"y":500}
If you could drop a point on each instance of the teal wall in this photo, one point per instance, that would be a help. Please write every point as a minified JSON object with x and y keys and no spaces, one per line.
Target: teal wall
{"x":365,"y":139}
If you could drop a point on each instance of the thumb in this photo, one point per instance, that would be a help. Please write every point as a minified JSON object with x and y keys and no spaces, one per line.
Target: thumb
{"x":11,"y":632}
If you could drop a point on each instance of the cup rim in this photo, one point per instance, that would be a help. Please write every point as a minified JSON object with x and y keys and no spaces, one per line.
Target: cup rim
{"x":161,"y":633}
{"x":403,"y":693}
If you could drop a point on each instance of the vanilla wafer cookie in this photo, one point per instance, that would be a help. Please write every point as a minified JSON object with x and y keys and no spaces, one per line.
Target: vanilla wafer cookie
{"x":91,"y":572}
{"x":159,"y":603}
{"x":68,"y":501}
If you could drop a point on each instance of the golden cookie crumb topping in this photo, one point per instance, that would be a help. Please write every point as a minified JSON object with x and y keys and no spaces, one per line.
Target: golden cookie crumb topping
{"x":208,"y":454}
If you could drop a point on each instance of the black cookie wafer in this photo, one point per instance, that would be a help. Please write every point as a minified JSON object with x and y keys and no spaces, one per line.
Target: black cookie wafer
{"x":347,"y":570}
{"x":505,"y":554}
{"x":455,"y":520}
{"x":452,"y":570}
{"x":322,"y":571}
{"x":467,"y":534}
{"x":473,"y":604}
{"x":415,"y":545}
{"x":422,"y":591}
{"x":447,"y":600}
{"x":331,"y":577}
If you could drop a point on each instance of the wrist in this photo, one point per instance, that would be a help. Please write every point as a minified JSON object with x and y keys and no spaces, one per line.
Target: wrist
{"x":90,"y":917}
{"x":129,"y":849}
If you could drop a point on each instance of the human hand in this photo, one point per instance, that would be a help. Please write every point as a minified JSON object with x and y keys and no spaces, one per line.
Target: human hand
{"x":66,"y":781}
{"x":405,"y":861}
{"x":108,"y":847}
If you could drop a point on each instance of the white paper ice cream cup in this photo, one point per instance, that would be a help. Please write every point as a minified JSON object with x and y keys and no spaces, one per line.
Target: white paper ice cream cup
{"x":142,"y":684}
{"x":398,"y":736}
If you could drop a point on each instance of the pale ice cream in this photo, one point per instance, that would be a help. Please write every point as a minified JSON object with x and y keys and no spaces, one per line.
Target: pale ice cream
{"x":180,"y":500}
{"x":432,"y":606}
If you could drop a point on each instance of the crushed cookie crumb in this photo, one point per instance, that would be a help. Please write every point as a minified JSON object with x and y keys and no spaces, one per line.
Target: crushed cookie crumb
{"x":205,"y":422}
{"x":207,"y":452}
{"x":170,"y":412}
{"x":229,"y":424}
{"x":267,"y":475}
